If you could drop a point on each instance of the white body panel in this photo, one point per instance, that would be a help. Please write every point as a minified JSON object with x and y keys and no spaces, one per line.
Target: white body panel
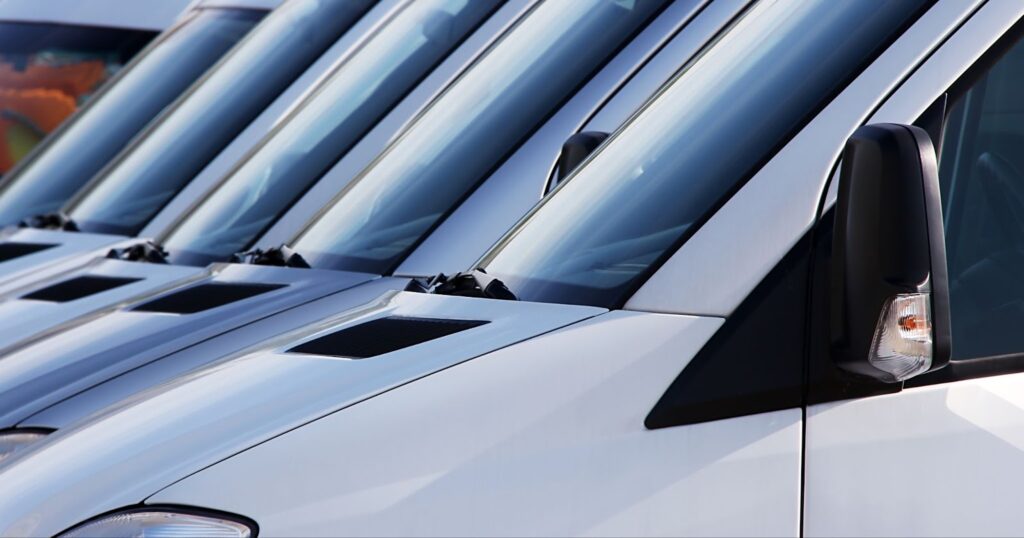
{"x":128,"y":454}
{"x":104,"y":342}
{"x":144,"y":339}
{"x":153,"y":15}
{"x":71,"y":252}
{"x":549,"y":441}
{"x":942,"y":460}
{"x":25,"y":319}
{"x":945,"y":460}
{"x":717,"y":268}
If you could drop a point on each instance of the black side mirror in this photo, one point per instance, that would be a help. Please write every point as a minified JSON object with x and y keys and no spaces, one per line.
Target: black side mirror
{"x":890,"y":292}
{"x":575,"y":150}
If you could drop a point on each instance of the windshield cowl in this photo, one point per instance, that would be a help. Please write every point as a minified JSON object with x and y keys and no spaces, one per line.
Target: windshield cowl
{"x":476,"y":283}
{"x":50,"y":221}
{"x":280,"y":256}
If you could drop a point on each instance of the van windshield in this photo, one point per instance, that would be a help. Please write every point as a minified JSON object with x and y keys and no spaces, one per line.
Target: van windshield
{"x":47,"y":71}
{"x":469,"y":131}
{"x":66,"y":160}
{"x":599,"y":236}
{"x":357,"y":94}
{"x":168,"y":154}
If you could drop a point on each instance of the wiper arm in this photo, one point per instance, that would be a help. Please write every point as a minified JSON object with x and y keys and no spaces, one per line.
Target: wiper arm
{"x":281,"y":256}
{"x":474,"y":283}
{"x":145,"y":252}
{"x":50,"y":221}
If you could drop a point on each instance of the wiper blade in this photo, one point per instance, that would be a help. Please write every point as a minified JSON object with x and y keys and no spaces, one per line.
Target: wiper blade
{"x":475,"y":283}
{"x":145,"y":252}
{"x":281,"y":256}
{"x":50,"y":221}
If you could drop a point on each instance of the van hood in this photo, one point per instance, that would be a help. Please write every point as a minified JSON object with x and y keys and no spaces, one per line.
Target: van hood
{"x":29,"y":255}
{"x":146,"y":443}
{"x":93,"y":339}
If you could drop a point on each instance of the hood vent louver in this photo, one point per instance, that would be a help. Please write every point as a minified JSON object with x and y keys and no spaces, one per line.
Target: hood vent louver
{"x":204,"y":297}
{"x":11,"y":250}
{"x":78,"y":288}
{"x":382,"y":336}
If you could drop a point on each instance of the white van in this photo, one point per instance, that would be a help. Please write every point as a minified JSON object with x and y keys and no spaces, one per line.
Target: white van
{"x":686,"y":356}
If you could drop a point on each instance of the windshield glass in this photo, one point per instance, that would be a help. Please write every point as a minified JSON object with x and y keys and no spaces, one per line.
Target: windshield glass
{"x":47,"y":71}
{"x":161,"y":161}
{"x":596,"y":238}
{"x":63,"y":164}
{"x":357,"y":93}
{"x":468,"y":131}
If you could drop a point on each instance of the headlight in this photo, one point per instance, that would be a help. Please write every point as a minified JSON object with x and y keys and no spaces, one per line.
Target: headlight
{"x":12,"y":441}
{"x":161,"y":522}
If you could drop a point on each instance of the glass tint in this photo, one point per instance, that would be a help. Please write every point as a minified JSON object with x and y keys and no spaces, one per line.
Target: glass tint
{"x":597,"y":237}
{"x":469,"y":131}
{"x":47,"y":71}
{"x":93,"y":137}
{"x":981,"y":172}
{"x":159,"y":163}
{"x":327,"y":124}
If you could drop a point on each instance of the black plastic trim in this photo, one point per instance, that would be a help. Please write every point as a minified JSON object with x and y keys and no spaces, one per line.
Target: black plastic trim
{"x":383,"y":335}
{"x":205,"y":297}
{"x":754,"y":363}
{"x":10,"y":250}
{"x":78,"y":288}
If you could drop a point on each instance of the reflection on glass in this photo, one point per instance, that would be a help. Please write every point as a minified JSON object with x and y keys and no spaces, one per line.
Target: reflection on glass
{"x":359,"y":91}
{"x":597,"y":237}
{"x":94,"y":136}
{"x":47,"y":71}
{"x":159,"y":163}
{"x":469,"y":130}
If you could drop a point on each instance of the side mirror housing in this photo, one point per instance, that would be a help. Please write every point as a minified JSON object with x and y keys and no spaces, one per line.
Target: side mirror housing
{"x":889,"y":288}
{"x":575,"y":150}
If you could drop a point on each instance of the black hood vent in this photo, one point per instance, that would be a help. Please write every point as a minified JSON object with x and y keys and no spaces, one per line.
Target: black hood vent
{"x":382,"y":336}
{"x":205,"y":297}
{"x":11,"y":249}
{"x":78,"y":288}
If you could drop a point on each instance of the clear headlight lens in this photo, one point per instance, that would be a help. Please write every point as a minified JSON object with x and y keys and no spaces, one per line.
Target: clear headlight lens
{"x":12,"y":441}
{"x":159,"y":523}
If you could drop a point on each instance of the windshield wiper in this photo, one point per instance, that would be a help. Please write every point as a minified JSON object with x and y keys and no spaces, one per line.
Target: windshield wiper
{"x":281,"y":256}
{"x":474,"y":283}
{"x":145,"y":252}
{"x":50,"y":221}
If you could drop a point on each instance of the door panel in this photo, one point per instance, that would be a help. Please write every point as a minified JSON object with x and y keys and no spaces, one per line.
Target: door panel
{"x":942,"y":460}
{"x":943,"y":456}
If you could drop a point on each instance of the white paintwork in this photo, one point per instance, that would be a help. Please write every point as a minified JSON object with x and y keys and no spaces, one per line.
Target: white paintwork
{"x":153,"y":15}
{"x":718,"y":267}
{"x":155,"y":439}
{"x":544,"y":438}
{"x":149,"y":366}
{"x":72,"y":252}
{"x":28,"y":320}
{"x":944,"y":460}
{"x":206,"y":180}
{"x":105,"y":341}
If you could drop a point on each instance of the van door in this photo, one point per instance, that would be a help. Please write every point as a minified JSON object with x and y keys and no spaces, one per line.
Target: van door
{"x":943,"y":454}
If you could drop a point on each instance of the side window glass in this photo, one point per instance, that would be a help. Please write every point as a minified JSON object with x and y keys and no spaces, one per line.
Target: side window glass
{"x":981,"y":170}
